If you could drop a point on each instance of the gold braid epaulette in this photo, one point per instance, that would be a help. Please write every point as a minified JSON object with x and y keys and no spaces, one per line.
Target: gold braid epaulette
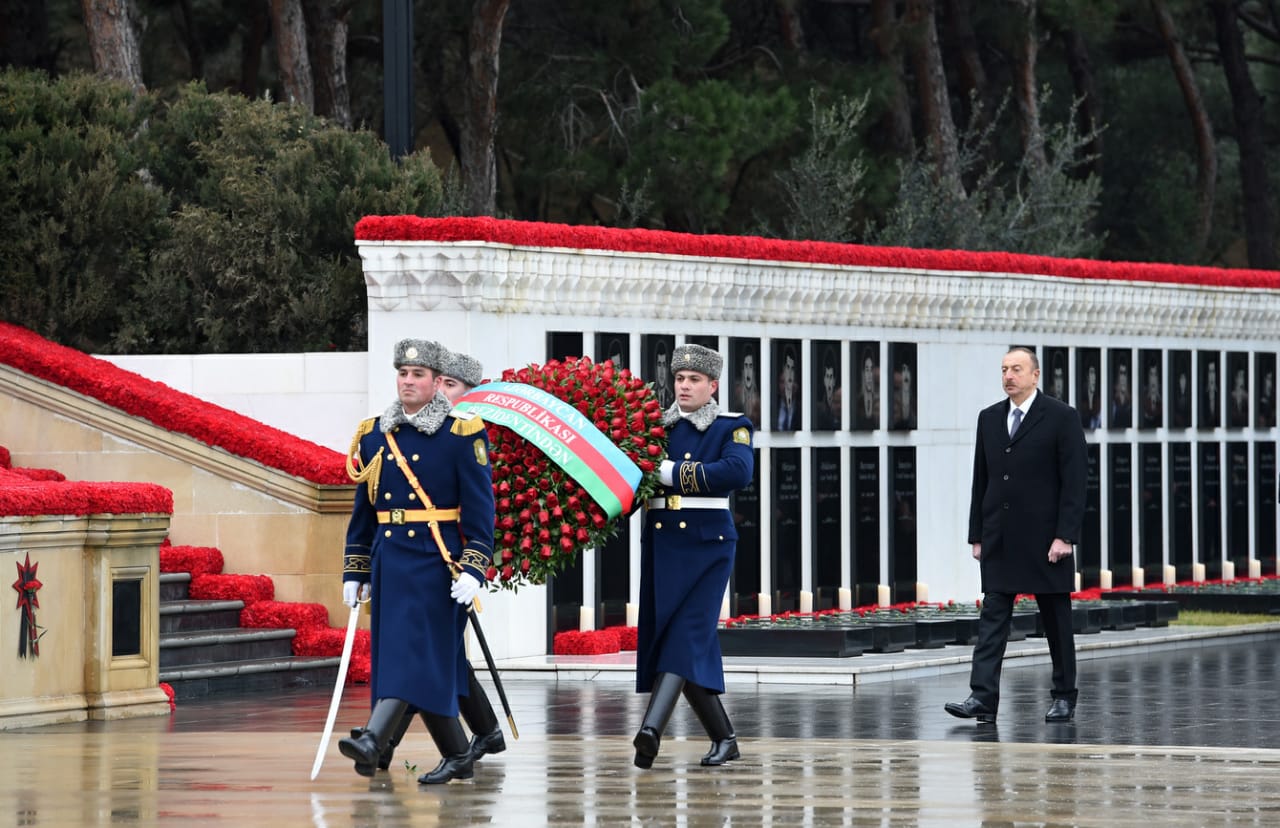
{"x":368,"y":473}
{"x":466,"y":425}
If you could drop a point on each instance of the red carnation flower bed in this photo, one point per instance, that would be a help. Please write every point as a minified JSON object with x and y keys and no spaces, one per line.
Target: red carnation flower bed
{"x":327,"y":641}
{"x":22,"y":493}
{"x":626,"y":636}
{"x":543,"y":517}
{"x":593,"y":642}
{"x":197,"y":560}
{"x":282,"y":615}
{"x":247,"y":588}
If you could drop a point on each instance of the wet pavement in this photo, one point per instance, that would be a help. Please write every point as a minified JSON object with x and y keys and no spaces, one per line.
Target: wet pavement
{"x":1173,"y":728}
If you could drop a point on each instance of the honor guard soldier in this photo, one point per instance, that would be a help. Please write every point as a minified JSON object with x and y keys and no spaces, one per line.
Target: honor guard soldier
{"x":419,"y":542}
{"x":687,"y":550}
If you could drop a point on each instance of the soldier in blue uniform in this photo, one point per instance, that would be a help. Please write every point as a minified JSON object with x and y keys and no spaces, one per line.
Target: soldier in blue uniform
{"x":686,"y":558}
{"x":419,"y":542}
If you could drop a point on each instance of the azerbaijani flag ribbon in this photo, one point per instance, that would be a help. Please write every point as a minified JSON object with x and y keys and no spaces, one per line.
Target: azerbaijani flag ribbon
{"x":562,"y":433}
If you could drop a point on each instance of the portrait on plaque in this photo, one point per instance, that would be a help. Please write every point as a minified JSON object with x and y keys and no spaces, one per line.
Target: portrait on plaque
{"x":1089,"y":387}
{"x":744,"y":359}
{"x":902,"y":358}
{"x":1120,"y":412}
{"x":866,"y":378}
{"x":1238,"y":408}
{"x":825,"y":383}
{"x":1055,"y":379}
{"x":1151,"y":393}
{"x":1265,"y":371}
{"x":656,"y":364}
{"x":787,"y":390}
{"x":1179,"y":395}
{"x":1210,"y":389}
{"x":615,"y":348}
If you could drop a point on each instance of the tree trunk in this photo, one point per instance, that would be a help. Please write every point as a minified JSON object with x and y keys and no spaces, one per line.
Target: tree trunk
{"x":1025,"y":93}
{"x":251,"y":49}
{"x":289,"y":28}
{"x":789,"y":24}
{"x":113,"y":40}
{"x":972,"y":74}
{"x":1246,"y":108}
{"x":897,"y":116}
{"x":935,"y":104}
{"x":1089,"y":110}
{"x":479,"y":120}
{"x":327,"y":47}
{"x":1206,"y":154}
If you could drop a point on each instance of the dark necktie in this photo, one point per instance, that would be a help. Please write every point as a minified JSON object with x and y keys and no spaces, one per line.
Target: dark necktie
{"x":1017,"y":421}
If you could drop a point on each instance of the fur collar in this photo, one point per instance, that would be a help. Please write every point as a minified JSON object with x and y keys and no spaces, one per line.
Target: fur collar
{"x":427,"y":419}
{"x":700,"y":419}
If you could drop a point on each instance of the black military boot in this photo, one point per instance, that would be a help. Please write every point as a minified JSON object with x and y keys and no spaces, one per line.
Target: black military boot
{"x":707,"y":707}
{"x":366,"y":748}
{"x":384,"y":760}
{"x":662,"y":700}
{"x":451,"y":741}
{"x":477,"y":712}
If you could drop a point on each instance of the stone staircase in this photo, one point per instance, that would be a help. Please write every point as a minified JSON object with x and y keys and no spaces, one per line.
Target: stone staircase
{"x":204,"y":651}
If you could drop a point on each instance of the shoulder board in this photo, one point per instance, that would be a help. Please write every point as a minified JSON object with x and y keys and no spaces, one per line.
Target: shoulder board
{"x":466,"y":426}
{"x":365,"y":427}
{"x":730,"y":414}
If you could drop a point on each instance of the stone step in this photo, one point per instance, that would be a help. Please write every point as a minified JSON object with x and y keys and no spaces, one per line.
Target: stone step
{"x":231,"y":644}
{"x":174,"y":586}
{"x":255,"y":676}
{"x":187,"y":615}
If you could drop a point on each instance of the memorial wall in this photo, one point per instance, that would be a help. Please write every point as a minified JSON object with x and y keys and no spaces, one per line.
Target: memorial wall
{"x":864,"y":383}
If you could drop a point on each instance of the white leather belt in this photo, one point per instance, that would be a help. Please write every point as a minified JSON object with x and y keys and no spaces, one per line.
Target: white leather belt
{"x":677,"y":502}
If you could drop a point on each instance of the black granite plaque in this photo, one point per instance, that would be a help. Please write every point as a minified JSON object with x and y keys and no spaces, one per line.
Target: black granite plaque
{"x":615,"y":348}
{"x":1151,"y":519}
{"x":1089,"y":547}
{"x":1056,"y":373}
{"x":1150,"y":389}
{"x":745,"y":589}
{"x":1179,"y":393}
{"x":1209,"y":376}
{"x":613,"y":559}
{"x":1265,"y":511}
{"x":1120,"y":388}
{"x":1209,"y":552}
{"x":866,"y":525}
{"x":865,"y":380}
{"x":785,"y":527}
{"x":904,"y":389}
{"x":788,"y":385}
{"x":126,"y":617}
{"x":828,"y":526}
{"x":1239,"y":408}
{"x":827,"y":397}
{"x":743,"y":370}
{"x":705,"y":340}
{"x":564,"y":344}
{"x":1089,"y":387}
{"x":1238,"y":507}
{"x":1181,"y":535}
{"x":1120,"y":513}
{"x":902,"y":532}
{"x":1264,"y":368}
{"x":655,"y":366}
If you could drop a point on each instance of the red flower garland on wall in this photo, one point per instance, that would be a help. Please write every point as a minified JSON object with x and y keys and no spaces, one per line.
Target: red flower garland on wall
{"x":543,"y":518}
{"x":21,"y":495}
{"x":542,"y":234}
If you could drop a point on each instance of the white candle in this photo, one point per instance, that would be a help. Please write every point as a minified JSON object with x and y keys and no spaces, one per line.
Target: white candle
{"x":766,"y":604}
{"x":1077,"y":589}
{"x":882,"y":594}
{"x":806,"y":601}
{"x":633,"y":615}
{"x":845,"y":596}
{"x":922,"y":592}
{"x":1255,"y":568}
{"x":1197,"y":572}
{"x":586,"y":619}
{"x":1104,"y":578}
{"x":1170,"y":575}
{"x":1139,"y":577}
{"x":1228,"y":571}
{"x":724,"y":607}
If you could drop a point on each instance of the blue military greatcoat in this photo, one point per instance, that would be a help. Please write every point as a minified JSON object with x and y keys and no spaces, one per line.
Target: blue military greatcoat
{"x":417,"y":628}
{"x":686,"y":555}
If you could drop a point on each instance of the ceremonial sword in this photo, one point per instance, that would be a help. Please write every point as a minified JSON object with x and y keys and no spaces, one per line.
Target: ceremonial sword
{"x":337,"y":689}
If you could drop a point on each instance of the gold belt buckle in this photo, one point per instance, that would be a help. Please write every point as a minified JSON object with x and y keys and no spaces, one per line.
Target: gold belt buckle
{"x":673,"y":502}
{"x":397,"y":517}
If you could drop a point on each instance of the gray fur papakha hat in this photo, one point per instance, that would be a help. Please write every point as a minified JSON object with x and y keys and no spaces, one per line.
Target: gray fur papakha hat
{"x":461,"y":367}
{"x":697,"y":358}
{"x":420,"y":352}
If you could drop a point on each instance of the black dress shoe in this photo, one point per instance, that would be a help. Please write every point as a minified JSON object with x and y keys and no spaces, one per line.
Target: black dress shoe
{"x":646,"y":743}
{"x":971,"y":708}
{"x":361,"y":748}
{"x":488,"y":743}
{"x":1060,"y":711}
{"x":723,"y":750}
{"x":450,"y":768}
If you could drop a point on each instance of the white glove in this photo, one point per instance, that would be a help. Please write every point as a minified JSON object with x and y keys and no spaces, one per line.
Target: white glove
{"x":666,"y":472}
{"x":465,"y":588}
{"x":353,"y":592}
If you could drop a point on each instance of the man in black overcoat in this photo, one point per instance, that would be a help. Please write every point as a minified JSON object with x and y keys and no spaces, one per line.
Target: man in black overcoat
{"x":1024,"y":518}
